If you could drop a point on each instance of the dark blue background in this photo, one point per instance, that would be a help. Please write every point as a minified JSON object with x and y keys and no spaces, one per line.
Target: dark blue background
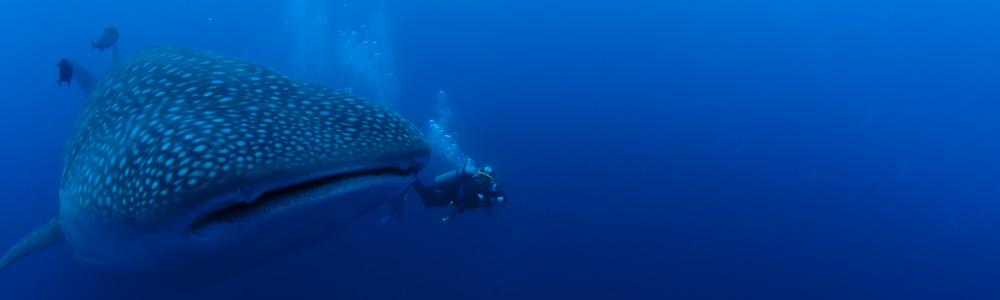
{"x":652,"y":149}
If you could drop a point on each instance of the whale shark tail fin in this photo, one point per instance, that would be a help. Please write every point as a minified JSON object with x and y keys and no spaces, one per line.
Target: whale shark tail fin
{"x":48,"y":234}
{"x":115,"y":57}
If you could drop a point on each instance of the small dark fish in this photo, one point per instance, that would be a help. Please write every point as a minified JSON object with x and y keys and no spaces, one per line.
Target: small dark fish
{"x":106,"y":40}
{"x":65,"y":72}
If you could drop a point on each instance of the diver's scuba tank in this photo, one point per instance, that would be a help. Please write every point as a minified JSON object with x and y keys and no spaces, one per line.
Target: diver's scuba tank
{"x":452,"y":176}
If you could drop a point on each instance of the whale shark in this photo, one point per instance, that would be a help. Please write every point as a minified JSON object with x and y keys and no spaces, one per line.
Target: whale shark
{"x":187,"y":167}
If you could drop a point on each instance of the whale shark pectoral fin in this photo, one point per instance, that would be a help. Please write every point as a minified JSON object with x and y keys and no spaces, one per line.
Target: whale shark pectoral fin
{"x":48,"y":234}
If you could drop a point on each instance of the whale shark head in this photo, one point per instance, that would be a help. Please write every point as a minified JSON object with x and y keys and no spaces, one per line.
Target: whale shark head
{"x":195,"y":165}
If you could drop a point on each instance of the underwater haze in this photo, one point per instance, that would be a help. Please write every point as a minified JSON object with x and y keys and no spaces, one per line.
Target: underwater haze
{"x":650,"y":149}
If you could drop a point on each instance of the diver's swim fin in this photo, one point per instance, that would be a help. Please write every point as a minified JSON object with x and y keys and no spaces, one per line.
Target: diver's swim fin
{"x":84,"y":79}
{"x":395,"y":209}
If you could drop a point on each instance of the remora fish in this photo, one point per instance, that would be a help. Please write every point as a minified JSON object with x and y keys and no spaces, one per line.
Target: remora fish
{"x":107,"y":39}
{"x":186,"y":167}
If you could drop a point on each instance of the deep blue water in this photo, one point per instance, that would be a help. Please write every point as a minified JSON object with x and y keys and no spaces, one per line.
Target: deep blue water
{"x":651,"y":149}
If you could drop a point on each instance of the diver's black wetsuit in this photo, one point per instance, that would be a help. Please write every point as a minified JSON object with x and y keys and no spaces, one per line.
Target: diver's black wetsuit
{"x":465,"y":188}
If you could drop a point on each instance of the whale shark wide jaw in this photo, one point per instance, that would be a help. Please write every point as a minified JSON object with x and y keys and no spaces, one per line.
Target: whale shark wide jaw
{"x":309,"y":190}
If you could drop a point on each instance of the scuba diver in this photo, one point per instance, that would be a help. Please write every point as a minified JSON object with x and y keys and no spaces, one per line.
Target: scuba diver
{"x":465,"y":188}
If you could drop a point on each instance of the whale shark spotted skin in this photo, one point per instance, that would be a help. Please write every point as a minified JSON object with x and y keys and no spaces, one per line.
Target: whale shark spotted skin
{"x":193,"y":165}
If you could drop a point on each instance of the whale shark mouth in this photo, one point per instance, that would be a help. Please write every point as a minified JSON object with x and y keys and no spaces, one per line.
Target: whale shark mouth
{"x":319,"y":189}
